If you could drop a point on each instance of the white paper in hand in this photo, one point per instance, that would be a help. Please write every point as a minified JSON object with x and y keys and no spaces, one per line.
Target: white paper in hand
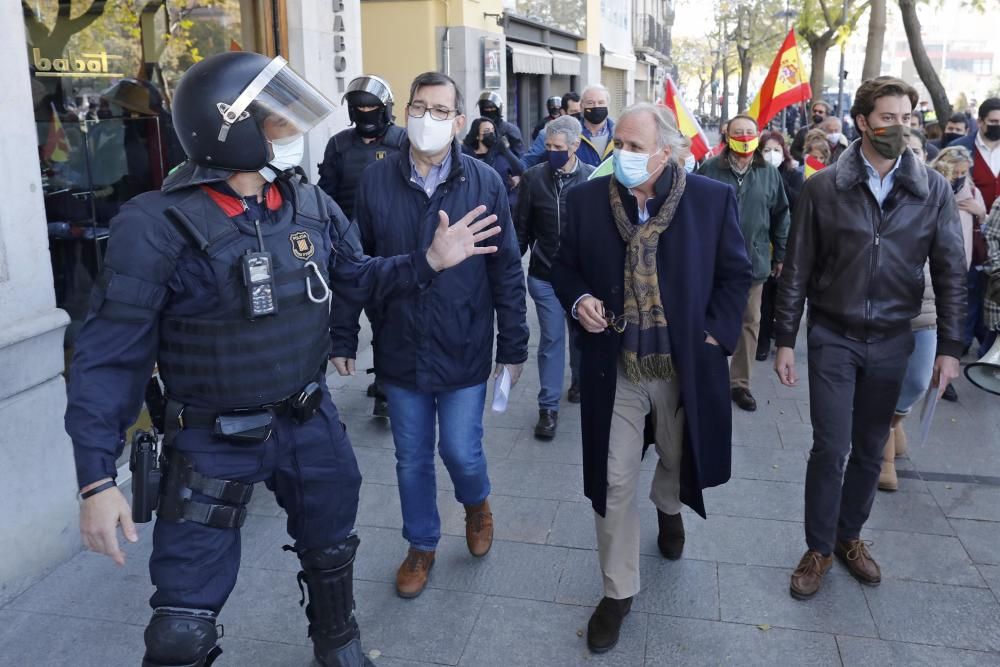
{"x":501,"y":391}
{"x":927,"y":413}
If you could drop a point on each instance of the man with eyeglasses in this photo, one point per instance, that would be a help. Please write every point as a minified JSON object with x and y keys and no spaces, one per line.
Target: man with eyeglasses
{"x":433,"y":348}
{"x":652,"y":265}
{"x":820,"y":111}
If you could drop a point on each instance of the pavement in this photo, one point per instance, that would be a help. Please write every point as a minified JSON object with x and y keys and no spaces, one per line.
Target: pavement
{"x":527,"y":602}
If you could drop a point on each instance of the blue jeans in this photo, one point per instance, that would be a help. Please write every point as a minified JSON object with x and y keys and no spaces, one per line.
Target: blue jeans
{"x":919,"y":370}
{"x":460,"y":422}
{"x":551,"y":343}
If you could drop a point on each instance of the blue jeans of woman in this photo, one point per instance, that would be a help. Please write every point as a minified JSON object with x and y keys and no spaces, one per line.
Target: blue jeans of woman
{"x":919,"y":370}
{"x":459,"y":417}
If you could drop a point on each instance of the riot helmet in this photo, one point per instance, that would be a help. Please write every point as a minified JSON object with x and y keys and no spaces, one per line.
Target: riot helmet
{"x":369,"y":91}
{"x":553,"y":104}
{"x":235,"y":110}
{"x":490,"y":105}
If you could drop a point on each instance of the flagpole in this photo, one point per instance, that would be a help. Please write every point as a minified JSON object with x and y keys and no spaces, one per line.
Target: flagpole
{"x":840,"y":74}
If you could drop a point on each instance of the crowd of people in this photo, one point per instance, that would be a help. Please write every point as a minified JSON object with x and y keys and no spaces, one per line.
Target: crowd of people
{"x":652,"y":277}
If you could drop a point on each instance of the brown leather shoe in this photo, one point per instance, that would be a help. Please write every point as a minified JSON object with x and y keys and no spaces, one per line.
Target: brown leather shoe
{"x":854,"y":554}
{"x":808,"y":576}
{"x":479,"y":528}
{"x":412,"y":576}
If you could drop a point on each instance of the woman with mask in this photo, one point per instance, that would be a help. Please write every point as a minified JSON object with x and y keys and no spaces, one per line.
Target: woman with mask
{"x":776,"y":154}
{"x":483,"y":143}
{"x":953,"y":163}
{"x":764,"y":221}
{"x":918,"y":144}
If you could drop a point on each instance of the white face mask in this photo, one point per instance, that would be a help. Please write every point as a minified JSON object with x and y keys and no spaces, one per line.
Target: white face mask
{"x":774,"y":158}
{"x":690,"y":163}
{"x":834,"y":137}
{"x":287,"y":154}
{"x":427,"y":134}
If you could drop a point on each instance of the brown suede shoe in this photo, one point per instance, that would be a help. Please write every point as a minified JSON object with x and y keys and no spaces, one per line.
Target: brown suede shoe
{"x":859,"y":562}
{"x":808,"y":576}
{"x":412,"y":575}
{"x":479,"y":528}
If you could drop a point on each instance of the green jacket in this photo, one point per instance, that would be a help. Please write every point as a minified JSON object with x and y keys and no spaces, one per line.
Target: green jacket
{"x":763,"y":210}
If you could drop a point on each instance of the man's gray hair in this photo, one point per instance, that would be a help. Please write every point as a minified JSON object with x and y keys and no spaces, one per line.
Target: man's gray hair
{"x":667,"y":134}
{"x":567,"y":126}
{"x":595,"y":86}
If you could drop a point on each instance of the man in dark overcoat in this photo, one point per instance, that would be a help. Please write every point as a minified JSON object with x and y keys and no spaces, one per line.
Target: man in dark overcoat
{"x":653,"y":266}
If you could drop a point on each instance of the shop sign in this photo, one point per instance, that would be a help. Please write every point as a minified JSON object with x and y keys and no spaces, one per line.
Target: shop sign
{"x":339,"y":46}
{"x":86,"y":64}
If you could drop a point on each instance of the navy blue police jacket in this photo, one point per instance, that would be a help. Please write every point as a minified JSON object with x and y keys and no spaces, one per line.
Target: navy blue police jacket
{"x":153,"y":272}
{"x":439,"y":338}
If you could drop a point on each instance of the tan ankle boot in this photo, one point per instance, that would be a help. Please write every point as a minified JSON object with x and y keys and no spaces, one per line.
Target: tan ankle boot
{"x":887,"y":478}
{"x":899,"y":435}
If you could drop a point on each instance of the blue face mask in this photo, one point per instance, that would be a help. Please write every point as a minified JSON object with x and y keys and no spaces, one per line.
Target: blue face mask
{"x":630,"y":168}
{"x":557,"y":159}
{"x":689,"y":163}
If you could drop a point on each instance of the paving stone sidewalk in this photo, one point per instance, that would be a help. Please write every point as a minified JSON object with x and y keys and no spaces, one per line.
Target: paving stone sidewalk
{"x":528,"y":601}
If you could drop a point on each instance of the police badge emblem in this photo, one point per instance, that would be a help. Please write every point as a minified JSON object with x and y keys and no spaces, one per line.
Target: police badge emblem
{"x":380,"y":155}
{"x":302,"y":245}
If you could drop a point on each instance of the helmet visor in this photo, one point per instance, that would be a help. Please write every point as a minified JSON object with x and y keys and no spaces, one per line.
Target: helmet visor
{"x":372,"y":85}
{"x":282,"y":102}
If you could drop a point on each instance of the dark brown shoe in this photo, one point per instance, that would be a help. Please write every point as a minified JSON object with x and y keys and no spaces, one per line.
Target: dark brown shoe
{"x":605,"y":624}
{"x":855,"y":556}
{"x":479,"y":528}
{"x":548,"y":421}
{"x":808,"y":576}
{"x":743,"y":399}
{"x":670,"y":539}
{"x":412,"y":576}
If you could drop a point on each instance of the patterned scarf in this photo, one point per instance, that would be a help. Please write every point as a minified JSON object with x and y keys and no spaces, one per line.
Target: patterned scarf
{"x":645,"y":340}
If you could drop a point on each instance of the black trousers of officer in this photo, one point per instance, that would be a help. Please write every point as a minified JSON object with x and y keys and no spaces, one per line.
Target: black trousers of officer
{"x":314,"y":475}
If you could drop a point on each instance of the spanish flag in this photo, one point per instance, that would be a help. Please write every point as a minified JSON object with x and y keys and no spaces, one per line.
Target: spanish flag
{"x":56,"y":148}
{"x":686,"y":123}
{"x":786,"y":84}
{"x":812,"y":165}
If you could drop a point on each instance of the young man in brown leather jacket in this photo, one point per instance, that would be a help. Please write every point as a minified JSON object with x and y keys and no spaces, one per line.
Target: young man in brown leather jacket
{"x":863,"y":229}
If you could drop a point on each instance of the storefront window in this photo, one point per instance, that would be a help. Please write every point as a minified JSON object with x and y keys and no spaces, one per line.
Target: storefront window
{"x":566,"y":15}
{"x":102,"y":78}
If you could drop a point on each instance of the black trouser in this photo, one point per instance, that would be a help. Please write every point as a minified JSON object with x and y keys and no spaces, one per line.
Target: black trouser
{"x":853,"y":389}
{"x":766,"y":330}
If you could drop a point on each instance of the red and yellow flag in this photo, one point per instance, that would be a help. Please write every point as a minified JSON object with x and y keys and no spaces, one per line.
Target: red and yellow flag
{"x":786,"y":84}
{"x":812,"y":165}
{"x":56,"y":148}
{"x":686,"y":123}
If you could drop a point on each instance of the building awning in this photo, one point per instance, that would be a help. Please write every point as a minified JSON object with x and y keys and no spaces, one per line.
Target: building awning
{"x":618,"y":60}
{"x":645,"y":57}
{"x":565,"y":64}
{"x":527,"y":59}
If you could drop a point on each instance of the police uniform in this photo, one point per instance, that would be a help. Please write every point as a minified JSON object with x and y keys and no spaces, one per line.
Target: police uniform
{"x":347,"y":154}
{"x":492,"y":99}
{"x":247,"y":397}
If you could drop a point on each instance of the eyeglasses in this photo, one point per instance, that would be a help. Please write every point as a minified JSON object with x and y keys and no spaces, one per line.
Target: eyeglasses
{"x":418,"y":109}
{"x":618,"y":324}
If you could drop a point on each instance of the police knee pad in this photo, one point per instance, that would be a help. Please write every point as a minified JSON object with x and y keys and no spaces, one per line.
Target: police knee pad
{"x":327,"y":578}
{"x":178,"y":637}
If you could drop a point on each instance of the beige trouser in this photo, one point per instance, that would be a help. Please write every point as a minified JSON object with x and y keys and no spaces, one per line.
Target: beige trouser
{"x":618,"y":530}
{"x":746,"y":348}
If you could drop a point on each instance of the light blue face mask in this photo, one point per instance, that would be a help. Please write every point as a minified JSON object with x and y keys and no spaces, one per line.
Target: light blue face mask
{"x":630,"y":168}
{"x":690,"y":163}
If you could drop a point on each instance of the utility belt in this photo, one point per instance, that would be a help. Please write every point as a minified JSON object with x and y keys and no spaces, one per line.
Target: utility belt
{"x":245,"y":425}
{"x":164,"y":479}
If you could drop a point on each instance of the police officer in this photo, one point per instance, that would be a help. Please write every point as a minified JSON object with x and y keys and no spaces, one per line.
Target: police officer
{"x":491,"y":106}
{"x":554,"y":106}
{"x":221,"y":278}
{"x":373,"y":137}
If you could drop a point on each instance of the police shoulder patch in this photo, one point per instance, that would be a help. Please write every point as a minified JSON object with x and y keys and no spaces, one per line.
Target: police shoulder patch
{"x":302,"y":245}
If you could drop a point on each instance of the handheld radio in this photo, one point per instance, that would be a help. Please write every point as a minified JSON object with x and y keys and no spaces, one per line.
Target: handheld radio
{"x":258,"y":280}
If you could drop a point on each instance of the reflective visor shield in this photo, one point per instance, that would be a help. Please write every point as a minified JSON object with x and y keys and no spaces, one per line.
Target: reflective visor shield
{"x":283,"y":103}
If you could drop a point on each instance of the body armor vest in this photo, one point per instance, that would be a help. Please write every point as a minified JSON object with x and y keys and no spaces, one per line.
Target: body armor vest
{"x":222,"y":359}
{"x":355,"y":155}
